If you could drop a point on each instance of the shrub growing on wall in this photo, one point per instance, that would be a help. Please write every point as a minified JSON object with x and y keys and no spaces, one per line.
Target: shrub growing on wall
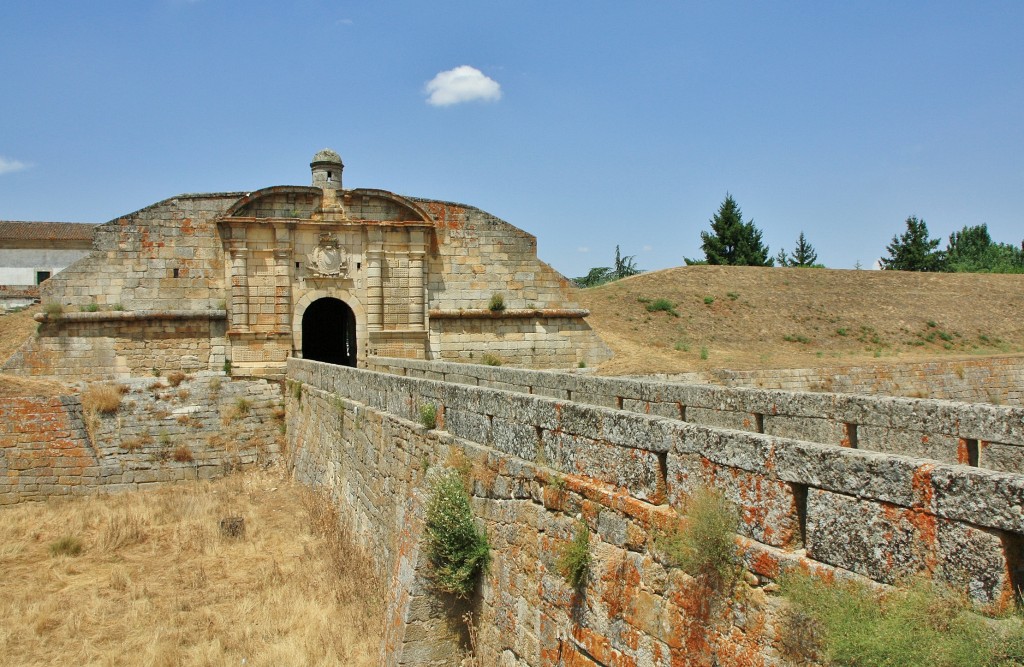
{"x":458,"y":550}
{"x":705,"y":545}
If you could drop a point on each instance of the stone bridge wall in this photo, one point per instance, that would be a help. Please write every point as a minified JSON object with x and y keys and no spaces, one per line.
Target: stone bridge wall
{"x":539,"y":462}
{"x":985,"y":436}
{"x":200,"y":429}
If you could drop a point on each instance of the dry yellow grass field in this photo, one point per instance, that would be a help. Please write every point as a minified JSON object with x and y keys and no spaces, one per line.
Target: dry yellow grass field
{"x":752,"y":317}
{"x":156,"y":584}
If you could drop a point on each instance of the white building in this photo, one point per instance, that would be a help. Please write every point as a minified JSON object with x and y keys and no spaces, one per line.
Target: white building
{"x":31,"y":252}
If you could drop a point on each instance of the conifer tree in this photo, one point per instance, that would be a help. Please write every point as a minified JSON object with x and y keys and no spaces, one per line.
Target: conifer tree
{"x":803,"y":254}
{"x":732,"y":241}
{"x":913,"y":250}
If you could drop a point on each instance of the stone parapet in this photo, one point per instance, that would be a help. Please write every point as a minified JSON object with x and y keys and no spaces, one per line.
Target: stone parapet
{"x":981,"y":435}
{"x":538,"y":462}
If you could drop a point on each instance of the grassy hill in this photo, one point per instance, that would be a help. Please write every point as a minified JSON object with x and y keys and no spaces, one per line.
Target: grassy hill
{"x":749,"y":317}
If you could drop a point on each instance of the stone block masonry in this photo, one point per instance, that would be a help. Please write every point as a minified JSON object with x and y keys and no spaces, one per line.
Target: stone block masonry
{"x":539,"y":462}
{"x":200,"y":429}
{"x":980,"y":435}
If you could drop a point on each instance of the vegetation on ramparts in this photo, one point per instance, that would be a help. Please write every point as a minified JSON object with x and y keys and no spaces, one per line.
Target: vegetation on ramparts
{"x":922,"y":625}
{"x":458,"y":550}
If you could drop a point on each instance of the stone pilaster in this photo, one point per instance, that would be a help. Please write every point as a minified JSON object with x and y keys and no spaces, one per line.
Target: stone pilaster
{"x":239,"y":285}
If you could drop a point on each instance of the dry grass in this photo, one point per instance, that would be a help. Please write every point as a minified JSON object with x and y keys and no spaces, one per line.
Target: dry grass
{"x":779,"y":318}
{"x":156,"y":584}
{"x":104,"y":398}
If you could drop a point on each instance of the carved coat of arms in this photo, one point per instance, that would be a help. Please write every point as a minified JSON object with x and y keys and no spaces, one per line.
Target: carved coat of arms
{"x":327,"y":259}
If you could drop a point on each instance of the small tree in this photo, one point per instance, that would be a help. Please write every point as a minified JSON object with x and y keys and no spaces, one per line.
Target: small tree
{"x":625,"y":266}
{"x":732,"y":241}
{"x":599,"y":275}
{"x":803,"y":255}
{"x":913,"y":250}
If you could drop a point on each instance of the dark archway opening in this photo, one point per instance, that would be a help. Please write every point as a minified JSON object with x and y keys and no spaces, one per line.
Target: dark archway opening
{"x":329,"y":332}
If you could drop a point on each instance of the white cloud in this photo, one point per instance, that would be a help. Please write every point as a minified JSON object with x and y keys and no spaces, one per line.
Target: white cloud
{"x":648,"y":248}
{"x":583,"y":248}
{"x":462,"y":84}
{"x":8,"y":166}
{"x":343,"y":22}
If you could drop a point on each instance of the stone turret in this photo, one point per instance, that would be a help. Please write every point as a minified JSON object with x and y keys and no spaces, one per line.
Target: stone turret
{"x":327,"y":167}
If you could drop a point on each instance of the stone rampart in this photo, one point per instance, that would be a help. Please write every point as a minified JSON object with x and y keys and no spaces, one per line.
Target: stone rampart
{"x":122,"y":344}
{"x":539,"y":462}
{"x":981,"y":435}
{"x":200,"y":429}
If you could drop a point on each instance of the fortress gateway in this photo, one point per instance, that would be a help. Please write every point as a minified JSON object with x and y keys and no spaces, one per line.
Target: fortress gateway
{"x":245,"y":280}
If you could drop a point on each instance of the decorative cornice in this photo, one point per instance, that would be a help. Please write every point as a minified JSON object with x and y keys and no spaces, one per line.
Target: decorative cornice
{"x":508,"y":313}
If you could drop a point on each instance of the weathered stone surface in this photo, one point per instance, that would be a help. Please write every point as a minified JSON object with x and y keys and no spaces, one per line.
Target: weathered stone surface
{"x":892,"y":544}
{"x":876,"y":514}
{"x":767,"y":509}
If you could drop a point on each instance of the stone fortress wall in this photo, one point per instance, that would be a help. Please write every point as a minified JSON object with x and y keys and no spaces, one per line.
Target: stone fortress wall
{"x":202,"y":428}
{"x":538,"y":460}
{"x":237,"y":272}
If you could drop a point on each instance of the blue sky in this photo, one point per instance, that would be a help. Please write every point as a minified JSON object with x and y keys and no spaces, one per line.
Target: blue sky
{"x":593,"y":123}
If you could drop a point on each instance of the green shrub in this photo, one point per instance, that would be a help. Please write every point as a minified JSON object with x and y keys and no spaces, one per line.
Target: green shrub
{"x":581,"y":364}
{"x":704,"y":545}
{"x":708,"y":300}
{"x":457,"y":549}
{"x":227,"y":367}
{"x":242,"y":407}
{"x":932,"y":324}
{"x":574,"y":557}
{"x":682,"y":346}
{"x":428,"y":415}
{"x":491,"y":359}
{"x":90,"y":307}
{"x":732,"y":295}
{"x":846,"y":623}
{"x":53,"y":309}
{"x":497,"y":303}
{"x":117,"y":306}
{"x":842,"y":331}
{"x":704,"y":353}
{"x":662,"y":304}
{"x":66,"y":546}
{"x":796,"y":338}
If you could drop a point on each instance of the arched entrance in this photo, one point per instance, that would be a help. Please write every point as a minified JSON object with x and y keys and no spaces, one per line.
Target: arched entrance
{"x":329,"y":332}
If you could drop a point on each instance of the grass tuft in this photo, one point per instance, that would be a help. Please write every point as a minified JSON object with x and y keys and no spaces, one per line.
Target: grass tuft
{"x":497,"y":303}
{"x":428,"y":416}
{"x":662,"y":305}
{"x":66,"y":546}
{"x":491,"y":359}
{"x":53,"y":309}
{"x":104,"y":398}
{"x":574,"y":557}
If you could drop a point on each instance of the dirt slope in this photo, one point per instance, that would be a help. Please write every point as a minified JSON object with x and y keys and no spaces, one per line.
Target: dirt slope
{"x":747,"y":317}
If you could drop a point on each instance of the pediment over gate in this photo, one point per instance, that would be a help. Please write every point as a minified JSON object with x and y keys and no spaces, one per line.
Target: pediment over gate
{"x":308,"y":203}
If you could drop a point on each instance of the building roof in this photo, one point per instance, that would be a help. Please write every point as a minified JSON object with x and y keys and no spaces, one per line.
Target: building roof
{"x":13,"y":230}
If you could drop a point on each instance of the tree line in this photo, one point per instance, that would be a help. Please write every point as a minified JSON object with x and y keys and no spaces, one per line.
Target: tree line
{"x":733,"y":241}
